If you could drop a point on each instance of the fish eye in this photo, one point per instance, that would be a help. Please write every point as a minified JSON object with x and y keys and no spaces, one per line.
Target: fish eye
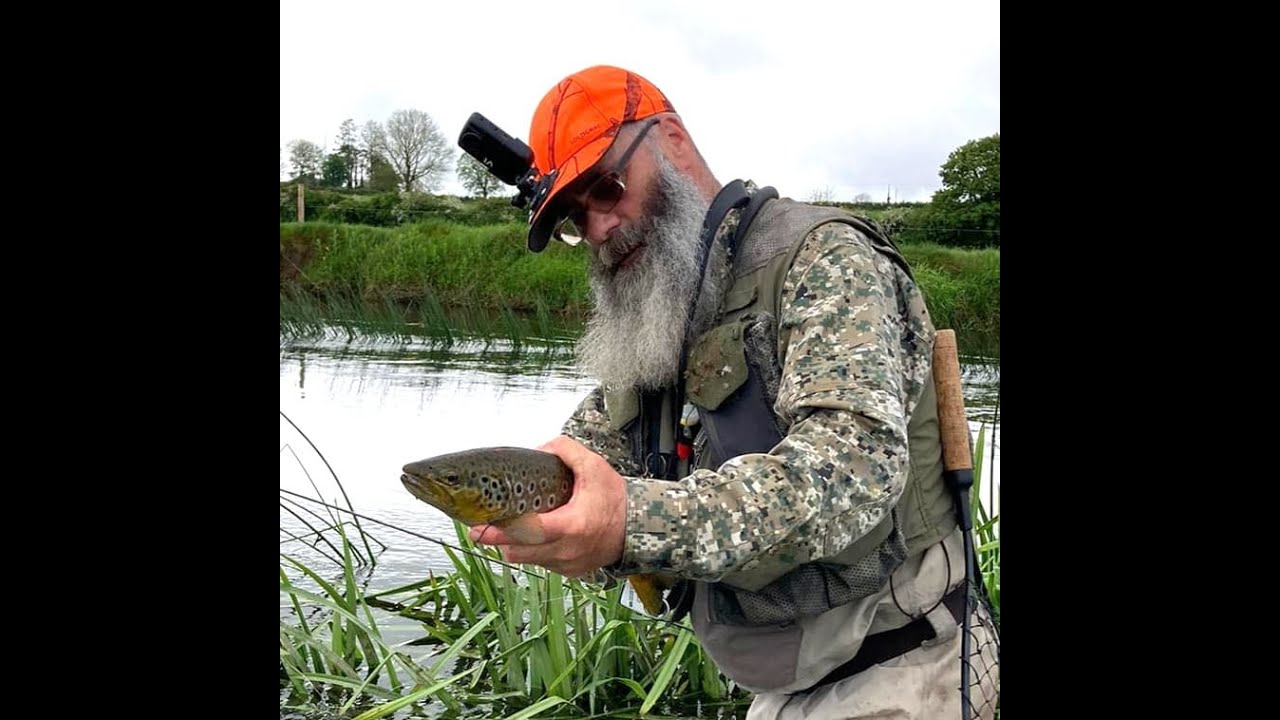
{"x":451,"y":477}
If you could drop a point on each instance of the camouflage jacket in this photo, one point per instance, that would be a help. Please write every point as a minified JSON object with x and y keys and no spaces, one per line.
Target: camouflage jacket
{"x":855,"y":340}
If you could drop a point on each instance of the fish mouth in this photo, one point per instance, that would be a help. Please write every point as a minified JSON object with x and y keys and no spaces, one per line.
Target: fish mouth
{"x":428,"y":491}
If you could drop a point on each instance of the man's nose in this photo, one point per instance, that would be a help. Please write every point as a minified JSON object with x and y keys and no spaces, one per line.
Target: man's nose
{"x":599,"y":226}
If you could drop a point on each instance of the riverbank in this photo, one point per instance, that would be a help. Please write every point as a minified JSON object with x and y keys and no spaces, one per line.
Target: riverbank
{"x":437,"y":263}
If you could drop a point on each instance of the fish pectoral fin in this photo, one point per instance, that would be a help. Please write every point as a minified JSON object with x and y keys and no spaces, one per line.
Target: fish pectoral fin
{"x":649,"y":589}
{"x":525,"y":529}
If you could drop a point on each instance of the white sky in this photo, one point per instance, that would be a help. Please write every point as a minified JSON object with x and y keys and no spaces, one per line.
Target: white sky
{"x":858,"y":96}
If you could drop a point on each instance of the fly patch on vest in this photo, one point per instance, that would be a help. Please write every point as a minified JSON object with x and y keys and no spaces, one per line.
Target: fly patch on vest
{"x":732,"y":378}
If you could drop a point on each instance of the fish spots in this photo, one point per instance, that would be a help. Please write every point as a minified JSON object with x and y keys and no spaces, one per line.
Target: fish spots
{"x":519,"y":487}
{"x":537,"y":503}
{"x":520,"y":506}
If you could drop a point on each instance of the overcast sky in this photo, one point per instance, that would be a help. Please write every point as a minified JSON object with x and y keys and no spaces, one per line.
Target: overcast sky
{"x":854,"y":96}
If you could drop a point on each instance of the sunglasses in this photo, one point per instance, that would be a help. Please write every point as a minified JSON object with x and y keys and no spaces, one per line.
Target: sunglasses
{"x":606,"y":191}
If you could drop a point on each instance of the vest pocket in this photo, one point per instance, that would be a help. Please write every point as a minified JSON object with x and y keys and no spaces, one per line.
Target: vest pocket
{"x":759,"y":658}
{"x":717,"y":366}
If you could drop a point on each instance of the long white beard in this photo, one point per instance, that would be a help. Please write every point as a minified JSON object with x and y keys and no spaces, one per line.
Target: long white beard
{"x":636,"y":332}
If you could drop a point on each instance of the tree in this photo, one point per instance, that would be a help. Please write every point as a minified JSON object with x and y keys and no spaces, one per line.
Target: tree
{"x":306,"y":158}
{"x":336,"y":171}
{"x":971,"y":174}
{"x":371,"y":138}
{"x":862,"y":198}
{"x":416,"y":149}
{"x":382,"y":177}
{"x":966,"y":211}
{"x":347,"y":139}
{"x":475,"y":177}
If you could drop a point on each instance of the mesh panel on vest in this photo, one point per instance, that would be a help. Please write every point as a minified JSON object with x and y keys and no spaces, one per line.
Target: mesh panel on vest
{"x":813,"y":588}
{"x":778,"y":226}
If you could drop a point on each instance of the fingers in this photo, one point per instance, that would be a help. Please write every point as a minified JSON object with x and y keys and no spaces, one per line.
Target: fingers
{"x":524,"y":530}
{"x":573,"y":453}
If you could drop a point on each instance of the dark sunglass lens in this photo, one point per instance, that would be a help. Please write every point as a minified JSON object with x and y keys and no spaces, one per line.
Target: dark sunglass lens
{"x":605,"y":194}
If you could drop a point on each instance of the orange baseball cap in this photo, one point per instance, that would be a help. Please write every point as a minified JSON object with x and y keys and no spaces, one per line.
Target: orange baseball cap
{"x":574,"y":126}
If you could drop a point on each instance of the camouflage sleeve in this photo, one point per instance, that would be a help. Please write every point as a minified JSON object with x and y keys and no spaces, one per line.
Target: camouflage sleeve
{"x":589,"y":425}
{"x":857,"y":344}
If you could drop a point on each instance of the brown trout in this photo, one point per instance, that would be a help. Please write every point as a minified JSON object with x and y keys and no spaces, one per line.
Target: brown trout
{"x":506,"y":486}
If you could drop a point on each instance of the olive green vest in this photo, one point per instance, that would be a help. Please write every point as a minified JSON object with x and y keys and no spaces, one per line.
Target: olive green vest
{"x":766,"y":595}
{"x":926,"y":511}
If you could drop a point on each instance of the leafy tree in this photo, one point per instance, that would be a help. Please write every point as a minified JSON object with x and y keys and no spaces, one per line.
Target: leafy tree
{"x":971,"y":174}
{"x":382,"y":177}
{"x":475,"y":177}
{"x":966,"y":211}
{"x":336,"y":171}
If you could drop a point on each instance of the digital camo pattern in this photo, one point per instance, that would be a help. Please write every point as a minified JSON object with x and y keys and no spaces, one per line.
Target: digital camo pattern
{"x":589,"y":425}
{"x":858,"y":341}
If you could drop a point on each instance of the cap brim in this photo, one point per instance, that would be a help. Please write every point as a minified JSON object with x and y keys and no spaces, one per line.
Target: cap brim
{"x":552,"y":210}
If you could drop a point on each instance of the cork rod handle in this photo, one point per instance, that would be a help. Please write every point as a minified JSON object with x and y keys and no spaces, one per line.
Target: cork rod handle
{"x":956,"y":453}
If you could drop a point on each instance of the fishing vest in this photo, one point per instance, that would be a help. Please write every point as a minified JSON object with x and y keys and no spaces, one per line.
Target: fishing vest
{"x":730,"y":387}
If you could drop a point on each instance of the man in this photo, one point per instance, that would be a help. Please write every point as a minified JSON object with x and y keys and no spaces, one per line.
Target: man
{"x":765,"y":425}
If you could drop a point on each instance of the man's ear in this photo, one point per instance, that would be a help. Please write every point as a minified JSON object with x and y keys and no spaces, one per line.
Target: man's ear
{"x":676,"y":142}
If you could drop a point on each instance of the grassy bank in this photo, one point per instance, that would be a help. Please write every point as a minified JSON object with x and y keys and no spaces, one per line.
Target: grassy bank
{"x":438,"y":263}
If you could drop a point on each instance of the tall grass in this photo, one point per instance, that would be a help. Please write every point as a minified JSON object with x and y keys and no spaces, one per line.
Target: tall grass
{"x":961,"y":287}
{"x":486,"y":266}
{"x":360,"y":276}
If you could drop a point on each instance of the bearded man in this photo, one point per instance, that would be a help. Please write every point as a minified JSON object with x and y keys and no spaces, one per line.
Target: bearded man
{"x":765,"y":426}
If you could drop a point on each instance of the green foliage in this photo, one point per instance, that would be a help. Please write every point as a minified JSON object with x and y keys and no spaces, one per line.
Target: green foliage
{"x":971,"y":174}
{"x":391,"y":209}
{"x":483,"y":266}
{"x":336,"y":171}
{"x":961,"y":287}
{"x":382,"y":176}
{"x":488,"y":266}
{"x":966,"y":211}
